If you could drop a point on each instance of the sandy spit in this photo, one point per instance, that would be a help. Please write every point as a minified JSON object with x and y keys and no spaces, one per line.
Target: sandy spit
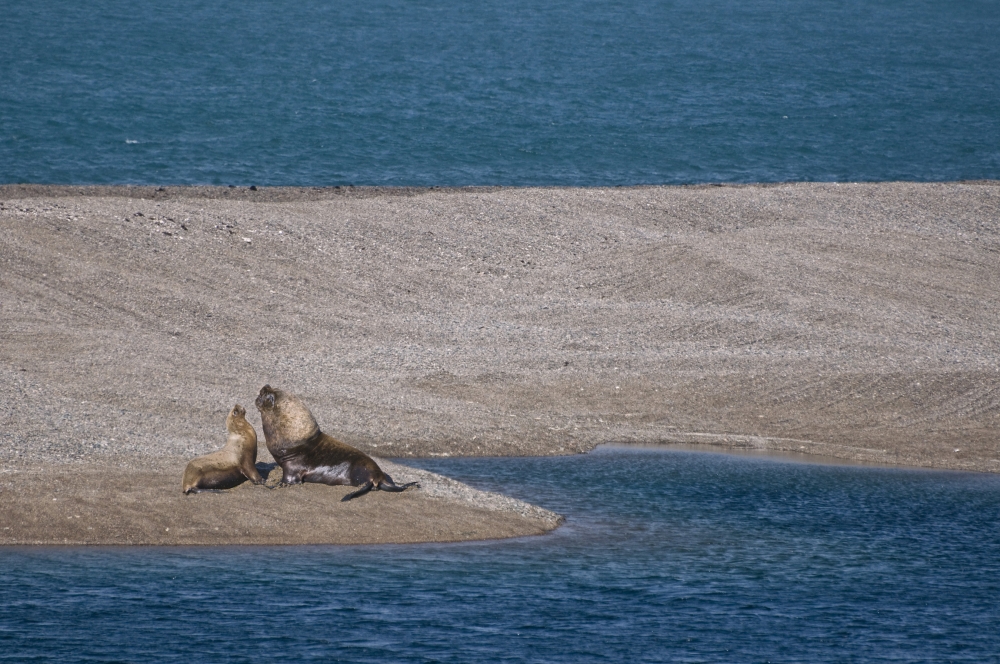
{"x":90,"y":503}
{"x":857,"y":321}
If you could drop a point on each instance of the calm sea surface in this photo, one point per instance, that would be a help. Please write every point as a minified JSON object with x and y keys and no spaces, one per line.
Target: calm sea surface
{"x":513,"y":92}
{"x":666,"y":556}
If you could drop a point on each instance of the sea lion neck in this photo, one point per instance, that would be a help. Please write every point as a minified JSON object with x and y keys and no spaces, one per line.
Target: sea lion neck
{"x":242,"y":438}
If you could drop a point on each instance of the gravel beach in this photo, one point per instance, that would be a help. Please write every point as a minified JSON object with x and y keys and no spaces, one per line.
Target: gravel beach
{"x":855,"y":321}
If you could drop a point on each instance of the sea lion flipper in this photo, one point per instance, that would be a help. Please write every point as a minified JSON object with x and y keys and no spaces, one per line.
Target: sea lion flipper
{"x":254,"y":477}
{"x":368,"y":486}
{"x":396,"y":488}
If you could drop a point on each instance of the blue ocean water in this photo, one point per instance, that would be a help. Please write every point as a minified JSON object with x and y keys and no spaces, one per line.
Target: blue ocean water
{"x":510,"y":92}
{"x":666,"y":556}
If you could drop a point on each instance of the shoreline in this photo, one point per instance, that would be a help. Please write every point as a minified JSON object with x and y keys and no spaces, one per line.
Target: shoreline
{"x":88,"y":505}
{"x":441,"y":511}
{"x":802,"y":458}
{"x":856,"y":320}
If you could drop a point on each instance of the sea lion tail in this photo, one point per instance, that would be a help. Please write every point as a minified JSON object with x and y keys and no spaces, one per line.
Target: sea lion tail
{"x":368,"y":486}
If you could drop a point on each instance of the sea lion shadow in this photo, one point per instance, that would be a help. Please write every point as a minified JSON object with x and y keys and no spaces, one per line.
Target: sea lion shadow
{"x":265,"y":470}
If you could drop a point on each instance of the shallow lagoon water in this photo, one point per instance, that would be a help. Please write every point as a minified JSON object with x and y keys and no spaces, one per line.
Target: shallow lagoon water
{"x":665,"y":556}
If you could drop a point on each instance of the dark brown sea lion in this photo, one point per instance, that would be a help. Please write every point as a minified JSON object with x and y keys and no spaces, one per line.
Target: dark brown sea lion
{"x":231,"y":465}
{"x":306,"y":454}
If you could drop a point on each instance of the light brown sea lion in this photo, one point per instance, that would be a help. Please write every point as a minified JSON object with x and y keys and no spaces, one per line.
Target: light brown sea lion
{"x":306,"y":454}
{"x":231,"y":465}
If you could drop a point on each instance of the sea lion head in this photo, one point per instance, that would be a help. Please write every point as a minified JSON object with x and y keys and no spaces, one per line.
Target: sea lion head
{"x":266,"y":399}
{"x":285,"y":419}
{"x":237,"y":425}
{"x":236,"y":421}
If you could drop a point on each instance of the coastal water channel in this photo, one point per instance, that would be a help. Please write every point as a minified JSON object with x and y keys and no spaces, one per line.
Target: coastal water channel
{"x":665,"y":555}
{"x":512,"y":92}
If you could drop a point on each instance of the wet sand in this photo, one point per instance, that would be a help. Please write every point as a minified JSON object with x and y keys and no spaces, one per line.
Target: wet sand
{"x":856,"y":321}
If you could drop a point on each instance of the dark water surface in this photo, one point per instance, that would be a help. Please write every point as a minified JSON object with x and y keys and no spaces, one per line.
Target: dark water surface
{"x":665,"y":556}
{"x":513,"y":92}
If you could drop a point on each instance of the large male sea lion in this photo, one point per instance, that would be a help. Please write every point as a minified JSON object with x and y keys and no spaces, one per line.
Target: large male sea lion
{"x":231,"y":465}
{"x":306,"y":454}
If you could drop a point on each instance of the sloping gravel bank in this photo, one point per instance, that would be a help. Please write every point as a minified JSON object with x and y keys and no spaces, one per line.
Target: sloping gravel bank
{"x":848,"y":320}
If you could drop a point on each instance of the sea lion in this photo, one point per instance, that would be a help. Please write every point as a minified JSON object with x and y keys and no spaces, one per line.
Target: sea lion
{"x":306,"y":454}
{"x":231,"y":465}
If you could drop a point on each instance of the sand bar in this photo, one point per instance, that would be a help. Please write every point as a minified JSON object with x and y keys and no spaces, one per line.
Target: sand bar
{"x":857,"y":321}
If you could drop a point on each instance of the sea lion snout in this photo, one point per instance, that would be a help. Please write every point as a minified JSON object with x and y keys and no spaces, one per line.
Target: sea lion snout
{"x":265,"y":400}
